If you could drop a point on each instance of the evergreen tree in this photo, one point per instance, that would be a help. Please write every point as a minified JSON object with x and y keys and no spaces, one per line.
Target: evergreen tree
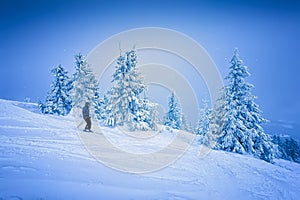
{"x":202,"y":128}
{"x":280,"y":147}
{"x":237,"y":118}
{"x":58,"y":100}
{"x":174,"y":116}
{"x":100,"y":107}
{"x":85,"y":85}
{"x":41,"y":106}
{"x":288,"y":148}
{"x":186,"y":126}
{"x":143,"y":116}
{"x":292,"y":149}
{"x":124,"y":102}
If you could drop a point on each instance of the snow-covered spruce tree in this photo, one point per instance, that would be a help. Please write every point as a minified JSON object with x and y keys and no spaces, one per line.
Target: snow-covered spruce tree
{"x":237,"y":119}
{"x":203,"y":125}
{"x":41,"y":106}
{"x":85,"y":85}
{"x":58,"y":100}
{"x":186,"y":126}
{"x":143,"y":116}
{"x":174,"y":116}
{"x":292,"y":149}
{"x":124,"y":102}
{"x":100,"y":106}
{"x":288,"y":148}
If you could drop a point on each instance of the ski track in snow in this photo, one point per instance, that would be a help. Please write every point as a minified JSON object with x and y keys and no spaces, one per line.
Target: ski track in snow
{"x":42,"y":157}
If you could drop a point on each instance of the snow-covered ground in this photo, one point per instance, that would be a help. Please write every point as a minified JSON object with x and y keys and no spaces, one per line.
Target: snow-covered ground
{"x":42,"y":157}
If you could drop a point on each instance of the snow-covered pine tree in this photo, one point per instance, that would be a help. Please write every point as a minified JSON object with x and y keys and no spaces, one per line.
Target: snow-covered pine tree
{"x":121,"y":96}
{"x":85,"y":85}
{"x":281,"y":154}
{"x":292,"y":149}
{"x":144,"y":116}
{"x":237,"y":119}
{"x":124,"y":102}
{"x":288,"y":148}
{"x":41,"y":106}
{"x":203,"y":125}
{"x":100,"y":106}
{"x":58,"y":100}
{"x":185,"y":125}
{"x":174,"y":116}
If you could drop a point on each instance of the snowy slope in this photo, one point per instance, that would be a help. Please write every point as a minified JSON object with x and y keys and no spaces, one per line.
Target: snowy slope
{"x":42,"y":157}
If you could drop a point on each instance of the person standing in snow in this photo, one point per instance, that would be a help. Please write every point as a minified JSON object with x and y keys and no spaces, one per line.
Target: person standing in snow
{"x":86,"y":116}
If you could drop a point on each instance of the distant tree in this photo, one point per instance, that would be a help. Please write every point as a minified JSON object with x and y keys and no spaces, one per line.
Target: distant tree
{"x":186,"y":125}
{"x":292,"y":149}
{"x":204,"y":122}
{"x":124,"y":102}
{"x":27,"y":99}
{"x":100,"y":107}
{"x":85,"y":85}
{"x":288,"y":148}
{"x":174,"y":116}
{"x":41,"y":106}
{"x":237,"y":119}
{"x":58,"y":100}
{"x":280,"y":153}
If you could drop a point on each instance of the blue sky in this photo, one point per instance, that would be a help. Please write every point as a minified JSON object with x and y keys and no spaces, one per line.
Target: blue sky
{"x":38,"y":35}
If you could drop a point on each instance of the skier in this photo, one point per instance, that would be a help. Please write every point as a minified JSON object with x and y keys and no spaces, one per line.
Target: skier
{"x":86,"y":116}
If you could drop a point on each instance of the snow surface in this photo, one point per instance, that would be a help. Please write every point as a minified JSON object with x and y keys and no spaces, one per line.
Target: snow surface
{"x":42,"y":157}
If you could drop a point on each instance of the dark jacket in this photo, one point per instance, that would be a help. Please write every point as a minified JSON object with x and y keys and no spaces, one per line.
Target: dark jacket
{"x":85,"y":112}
